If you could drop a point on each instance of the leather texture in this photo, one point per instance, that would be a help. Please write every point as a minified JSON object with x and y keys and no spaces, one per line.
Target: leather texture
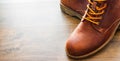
{"x":78,"y":6}
{"x":88,"y":37}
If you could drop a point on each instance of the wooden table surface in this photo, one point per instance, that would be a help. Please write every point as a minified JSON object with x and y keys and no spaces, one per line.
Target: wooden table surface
{"x":36,"y":30}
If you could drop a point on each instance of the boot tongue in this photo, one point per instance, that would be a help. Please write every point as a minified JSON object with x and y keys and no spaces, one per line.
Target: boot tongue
{"x":94,"y":6}
{"x":99,"y":4}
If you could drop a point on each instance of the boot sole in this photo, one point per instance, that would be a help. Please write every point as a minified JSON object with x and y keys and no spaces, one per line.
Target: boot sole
{"x":73,"y":13}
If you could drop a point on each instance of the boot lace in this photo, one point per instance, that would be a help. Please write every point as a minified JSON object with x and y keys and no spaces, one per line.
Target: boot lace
{"x":94,"y":11}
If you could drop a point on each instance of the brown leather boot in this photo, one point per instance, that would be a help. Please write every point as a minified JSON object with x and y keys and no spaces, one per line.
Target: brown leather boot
{"x":74,"y":7}
{"x":96,"y":29}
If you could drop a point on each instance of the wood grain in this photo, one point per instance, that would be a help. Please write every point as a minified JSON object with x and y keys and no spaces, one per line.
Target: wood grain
{"x":36,"y":30}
